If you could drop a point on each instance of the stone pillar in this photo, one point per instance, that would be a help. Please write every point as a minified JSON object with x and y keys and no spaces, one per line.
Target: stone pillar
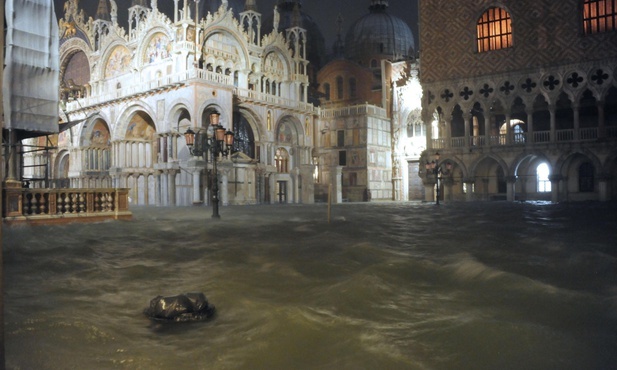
{"x":530,"y":134}
{"x":577,"y":124}
{"x":485,"y":190}
{"x":157,"y":189}
{"x":601,"y":120}
{"x":511,"y":188}
{"x":194,"y":166}
{"x":467,"y":118}
{"x":307,"y":191}
{"x":603,"y":181}
{"x":488,"y":128}
{"x":429,"y":133}
{"x":429,"y":190}
{"x":448,"y":133}
{"x":470,"y":188}
{"x":555,"y":182}
{"x":447,"y":183}
{"x":337,"y":184}
{"x":171,"y":187}
{"x":509,"y":131}
{"x":552,"y":110}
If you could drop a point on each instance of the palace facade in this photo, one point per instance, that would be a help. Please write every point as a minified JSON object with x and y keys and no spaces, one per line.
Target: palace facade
{"x":520,"y":99}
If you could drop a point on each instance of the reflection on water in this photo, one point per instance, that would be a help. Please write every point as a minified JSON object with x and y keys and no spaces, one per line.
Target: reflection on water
{"x":383,"y":286}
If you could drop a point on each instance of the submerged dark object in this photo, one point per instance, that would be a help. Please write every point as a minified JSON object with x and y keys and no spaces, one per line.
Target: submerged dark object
{"x":180,"y":308}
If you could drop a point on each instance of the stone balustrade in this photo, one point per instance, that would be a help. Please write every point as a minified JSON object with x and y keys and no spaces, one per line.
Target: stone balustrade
{"x":44,"y":206}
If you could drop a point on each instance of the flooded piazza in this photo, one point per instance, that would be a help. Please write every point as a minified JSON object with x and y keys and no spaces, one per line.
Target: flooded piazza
{"x":381,"y":286}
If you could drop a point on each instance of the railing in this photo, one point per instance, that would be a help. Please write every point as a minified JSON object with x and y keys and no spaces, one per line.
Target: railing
{"x":542,"y":136}
{"x":273,"y":100}
{"x":590,"y":133}
{"x":64,"y":205}
{"x":568,"y":135}
{"x":367,"y":109}
{"x":565,"y":135}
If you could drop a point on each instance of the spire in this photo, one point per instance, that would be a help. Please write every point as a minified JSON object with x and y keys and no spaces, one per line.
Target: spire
{"x":251,"y":5}
{"x":339,"y":46}
{"x":296,"y":17}
{"x":102,"y":12}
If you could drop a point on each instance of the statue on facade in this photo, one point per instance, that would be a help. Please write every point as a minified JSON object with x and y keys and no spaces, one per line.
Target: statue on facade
{"x":114,"y":9}
{"x":275,"y":22}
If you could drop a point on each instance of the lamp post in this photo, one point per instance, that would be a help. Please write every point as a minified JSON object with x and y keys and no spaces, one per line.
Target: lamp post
{"x":436,"y":169}
{"x":220,"y":143}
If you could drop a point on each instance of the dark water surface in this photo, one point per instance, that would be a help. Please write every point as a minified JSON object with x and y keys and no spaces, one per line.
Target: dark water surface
{"x":383,"y":286}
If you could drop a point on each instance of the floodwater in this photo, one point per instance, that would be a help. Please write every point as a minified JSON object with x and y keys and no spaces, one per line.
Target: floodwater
{"x":382,"y":286}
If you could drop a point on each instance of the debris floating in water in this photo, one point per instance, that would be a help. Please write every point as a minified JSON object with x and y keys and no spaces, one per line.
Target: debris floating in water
{"x":180,"y":308}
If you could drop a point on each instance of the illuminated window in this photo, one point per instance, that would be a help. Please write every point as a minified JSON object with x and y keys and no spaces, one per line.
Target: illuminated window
{"x":599,"y":16}
{"x":282,"y":160}
{"x":494,"y":30}
{"x":542,"y":172}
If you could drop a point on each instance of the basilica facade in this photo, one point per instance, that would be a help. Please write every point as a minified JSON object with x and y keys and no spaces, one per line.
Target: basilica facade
{"x":130,"y":95}
{"x":130,"y":92}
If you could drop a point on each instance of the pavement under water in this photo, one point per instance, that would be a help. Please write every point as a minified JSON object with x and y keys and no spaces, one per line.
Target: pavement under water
{"x":381,"y":286}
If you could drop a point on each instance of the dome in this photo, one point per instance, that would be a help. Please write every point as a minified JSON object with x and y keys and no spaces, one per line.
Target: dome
{"x":379,"y":35}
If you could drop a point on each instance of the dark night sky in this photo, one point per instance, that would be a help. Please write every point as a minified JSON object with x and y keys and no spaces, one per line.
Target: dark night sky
{"x":323,"y":12}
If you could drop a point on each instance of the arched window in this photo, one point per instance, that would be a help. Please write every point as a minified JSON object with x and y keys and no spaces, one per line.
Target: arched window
{"x":494,"y":30}
{"x":352,"y":88}
{"x":326,"y":90}
{"x":599,"y":16}
{"x":244,"y":140}
{"x":339,"y":87}
{"x":585,"y":178}
{"x":544,"y":184}
{"x":282,"y":160}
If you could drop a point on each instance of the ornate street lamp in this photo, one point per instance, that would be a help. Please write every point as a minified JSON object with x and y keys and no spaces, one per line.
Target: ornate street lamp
{"x":220,"y":143}
{"x":434,"y":168}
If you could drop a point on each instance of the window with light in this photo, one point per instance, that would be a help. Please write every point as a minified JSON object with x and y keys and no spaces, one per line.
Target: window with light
{"x":544,"y":184}
{"x":599,"y":16}
{"x":494,"y":30}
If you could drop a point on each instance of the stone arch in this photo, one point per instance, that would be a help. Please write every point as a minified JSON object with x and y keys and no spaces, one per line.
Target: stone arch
{"x":565,"y":160}
{"x":75,"y":81}
{"x":281,"y":55}
{"x":491,"y":174}
{"x":88,"y":135}
{"x":116,"y":61}
{"x":179,"y":111}
{"x":145,"y":45}
{"x":525,"y":169}
{"x":61,"y":168}
{"x":119,"y":131}
{"x":241,"y":47}
{"x":294,"y":135}
{"x":578,"y":186}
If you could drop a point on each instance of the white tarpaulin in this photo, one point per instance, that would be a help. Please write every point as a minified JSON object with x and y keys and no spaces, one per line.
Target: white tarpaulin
{"x":31,"y":73}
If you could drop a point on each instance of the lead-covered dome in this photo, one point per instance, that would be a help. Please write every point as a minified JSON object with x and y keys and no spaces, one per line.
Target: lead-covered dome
{"x":379,"y":35}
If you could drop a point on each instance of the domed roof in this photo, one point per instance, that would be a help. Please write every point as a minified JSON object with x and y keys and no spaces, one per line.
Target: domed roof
{"x":379,"y":35}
